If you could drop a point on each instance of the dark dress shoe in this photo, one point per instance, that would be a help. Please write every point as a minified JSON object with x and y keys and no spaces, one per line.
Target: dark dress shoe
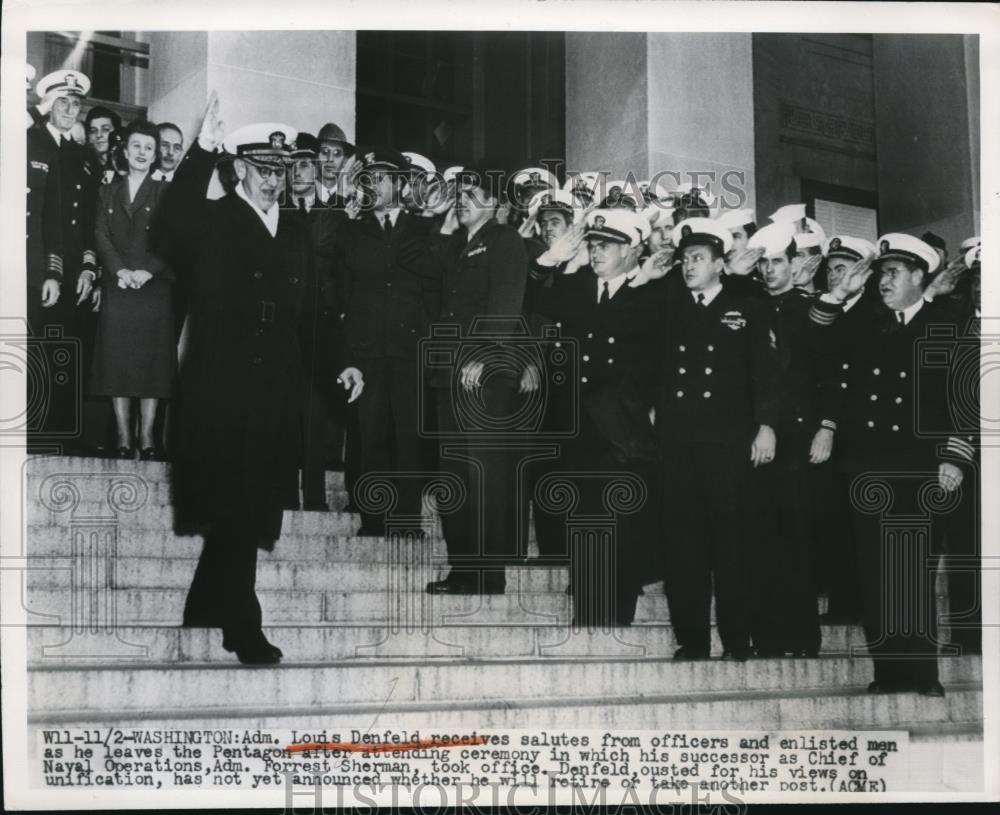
{"x":687,"y":654}
{"x":806,"y":653}
{"x":125,"y":452}
{"x":149,"y":454}
{"x":453,"y":584}
{"x":935,"y":689}
{"x":316,"y":506}
{"x":736,"y":655}
{"x":252,"y":649}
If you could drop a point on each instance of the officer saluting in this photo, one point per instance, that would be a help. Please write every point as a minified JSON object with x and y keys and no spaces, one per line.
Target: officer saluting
{"x":253,"y":318}
{"x":714,"y":416}
{"x":616,"y":322}
{"x":881,"y":439}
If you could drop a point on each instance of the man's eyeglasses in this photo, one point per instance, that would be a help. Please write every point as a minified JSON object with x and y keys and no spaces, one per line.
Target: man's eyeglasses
{"x":266,"y":171}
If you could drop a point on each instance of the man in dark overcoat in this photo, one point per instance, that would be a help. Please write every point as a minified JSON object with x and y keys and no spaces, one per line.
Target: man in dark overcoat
{"x":254,"y":316}
{"x":389,"y":282}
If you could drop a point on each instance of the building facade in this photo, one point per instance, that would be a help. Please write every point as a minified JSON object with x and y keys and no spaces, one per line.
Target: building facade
{"x":843,"y":122}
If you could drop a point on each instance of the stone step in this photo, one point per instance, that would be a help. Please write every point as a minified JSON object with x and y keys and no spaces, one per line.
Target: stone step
{"x":958,"y":715}
{"x":57,"y":541}
{"x":151,"y":472}
{"x":50,"y":645}
{"x":176,"y":573}
{"x":141,"y":491}
{"x":161,"y":517}
{"x":101,"y":687}
{"x":378,"y":605}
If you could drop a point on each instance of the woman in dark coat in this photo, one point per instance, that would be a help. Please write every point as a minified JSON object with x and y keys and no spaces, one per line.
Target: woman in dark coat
{"x":135,"y":355}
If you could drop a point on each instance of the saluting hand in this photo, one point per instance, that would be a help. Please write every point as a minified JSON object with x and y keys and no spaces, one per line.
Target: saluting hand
{"x":822,"y":446}
{"x":949,"y":476}
{"x":212,"y":130}
{"x":353,"y":381}
{"x":658,"y":264}
{"x":763,"y":447}
{"x":436,"y":200}
{"x":944,"y":282}
{"x":566,"y":246}
{"x":471,"y":375}
{"x":807,"y":271}
{"x":854,"y":279}
{"x":527,"y":227}
{"x":743,"y":262}
{"x":531,"y":380}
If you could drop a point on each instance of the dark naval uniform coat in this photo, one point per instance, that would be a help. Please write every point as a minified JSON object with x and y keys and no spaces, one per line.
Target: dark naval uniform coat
{"x":894,"y":432}
{"x":718,"y":385}
{"x":615,"y":346}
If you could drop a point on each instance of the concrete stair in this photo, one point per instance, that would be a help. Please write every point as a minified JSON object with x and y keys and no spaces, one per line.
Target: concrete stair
{"x":362,"y":640}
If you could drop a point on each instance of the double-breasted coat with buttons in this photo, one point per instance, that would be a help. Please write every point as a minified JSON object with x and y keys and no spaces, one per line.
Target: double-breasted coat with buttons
{"x":44,"y":227}
{"x":255,"y":313}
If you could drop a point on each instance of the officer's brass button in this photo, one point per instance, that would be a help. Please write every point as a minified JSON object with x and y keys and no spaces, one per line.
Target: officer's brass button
{"x":258,"y":275}
{"x":257,"y":360}
{"x":902,"y":374}
{"x":75,"y":204}
{"x":681,"y":348}
{"x":895,"y":427}
{"x":799,"y":419}
{"x":293,"y":280}
{"x":73,"y":222}
{"x":843,"y":384}
{"x":590,"y":336}
{"x":899,"y":400}
{"x":711,"y":348}
{"x":558,"y":345}
{"x":707,"y":394}
{"x":558,"y":325}
{"x":586,"y":358}
{"x":610,"y":360}
{"x":611,"y":339}
{"x":708,"y":371}
{"x":583,"y":379}
{"x":682,"y":370}
{"x":29,"y":215}
{"x":680,"y":393}
{"x":876,"y":371}
{"x":871,"y":423}
{"x":874,"y":397}
{"x":78,"y":186}
{"x":845,"y":366}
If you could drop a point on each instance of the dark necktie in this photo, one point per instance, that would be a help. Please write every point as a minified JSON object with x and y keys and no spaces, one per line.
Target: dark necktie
{"x":701,"y":299}
{"x":302,"y":206}
{"x":605,"y":294}
{"x":388,"y":226}
{"x":900,"y":318}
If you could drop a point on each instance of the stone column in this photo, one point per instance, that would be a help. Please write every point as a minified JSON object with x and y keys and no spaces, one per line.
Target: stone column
{"x":301,"y":78}
{"x":659,"y":102}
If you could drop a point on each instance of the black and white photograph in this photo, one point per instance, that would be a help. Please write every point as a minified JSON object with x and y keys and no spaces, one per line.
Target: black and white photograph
{"x":532,"y":403}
